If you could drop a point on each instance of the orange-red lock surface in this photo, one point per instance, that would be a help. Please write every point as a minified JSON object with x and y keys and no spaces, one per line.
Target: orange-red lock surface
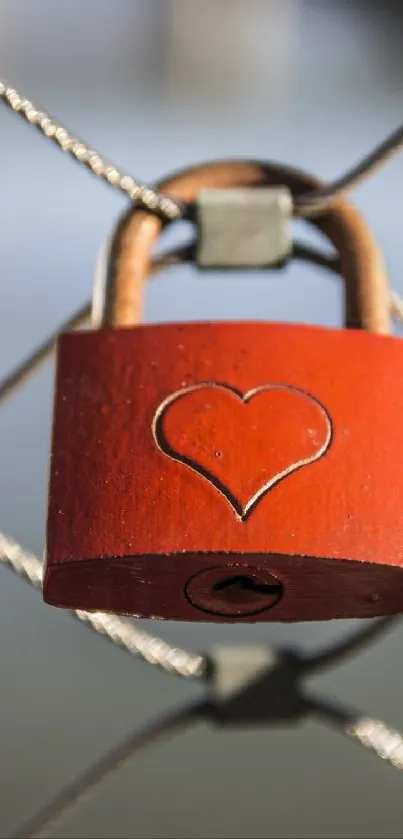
{"x":186,"y":447}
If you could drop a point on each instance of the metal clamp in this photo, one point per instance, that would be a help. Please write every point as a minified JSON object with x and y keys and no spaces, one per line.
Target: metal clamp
{"x":243,"y":228}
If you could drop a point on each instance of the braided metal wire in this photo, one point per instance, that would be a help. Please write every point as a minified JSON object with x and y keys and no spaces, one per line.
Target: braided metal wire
{"x":306,"y":205}
{"x":121,"y":632}
{"x":378,"y":737}
{"x":83,"y":153}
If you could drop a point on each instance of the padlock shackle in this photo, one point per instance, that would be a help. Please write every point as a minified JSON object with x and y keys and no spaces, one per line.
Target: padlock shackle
{"x":365,"y":281}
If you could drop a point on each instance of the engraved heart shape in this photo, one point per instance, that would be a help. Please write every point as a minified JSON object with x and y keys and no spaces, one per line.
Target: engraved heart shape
{"x":243,"y":444}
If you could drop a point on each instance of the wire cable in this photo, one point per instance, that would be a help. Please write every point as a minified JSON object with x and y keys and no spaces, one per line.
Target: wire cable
{"x":320,"y":200}
{"x":356,"y":641}
{"x":122,"y":633}
{"x":306,"y":205}
{"x":375,"y":735}
{"x":73,"y":795}
{"x":87,"y":156}
{"x":26,"y":369}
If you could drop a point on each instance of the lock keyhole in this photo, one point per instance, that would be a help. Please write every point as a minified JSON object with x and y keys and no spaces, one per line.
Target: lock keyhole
{"x":240,"y":588}
{"x":233,"y":590}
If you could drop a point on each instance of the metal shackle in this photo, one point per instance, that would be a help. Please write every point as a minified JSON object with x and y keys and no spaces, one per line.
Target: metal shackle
{"x":365,"y":281}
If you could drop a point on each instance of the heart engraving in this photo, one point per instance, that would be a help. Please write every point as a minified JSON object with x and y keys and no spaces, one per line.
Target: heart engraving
{"x":243,"y":444}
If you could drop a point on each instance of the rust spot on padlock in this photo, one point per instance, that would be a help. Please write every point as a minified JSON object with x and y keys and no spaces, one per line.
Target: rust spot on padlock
{"x":141,"y":510}
{"x":234,"y":590}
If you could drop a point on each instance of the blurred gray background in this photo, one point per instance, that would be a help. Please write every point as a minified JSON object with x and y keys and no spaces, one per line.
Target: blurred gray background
{"x":155,"y":85}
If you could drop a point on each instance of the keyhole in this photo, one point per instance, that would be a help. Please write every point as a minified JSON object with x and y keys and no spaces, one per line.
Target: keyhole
{"x":234,"y":591}
{"x":242,"y":589}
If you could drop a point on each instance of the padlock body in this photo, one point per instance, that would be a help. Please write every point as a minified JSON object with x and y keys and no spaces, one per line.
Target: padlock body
{"x":227,"y":472}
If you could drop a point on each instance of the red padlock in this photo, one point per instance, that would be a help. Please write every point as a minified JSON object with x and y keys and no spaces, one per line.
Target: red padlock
{"x":230,"y":471}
